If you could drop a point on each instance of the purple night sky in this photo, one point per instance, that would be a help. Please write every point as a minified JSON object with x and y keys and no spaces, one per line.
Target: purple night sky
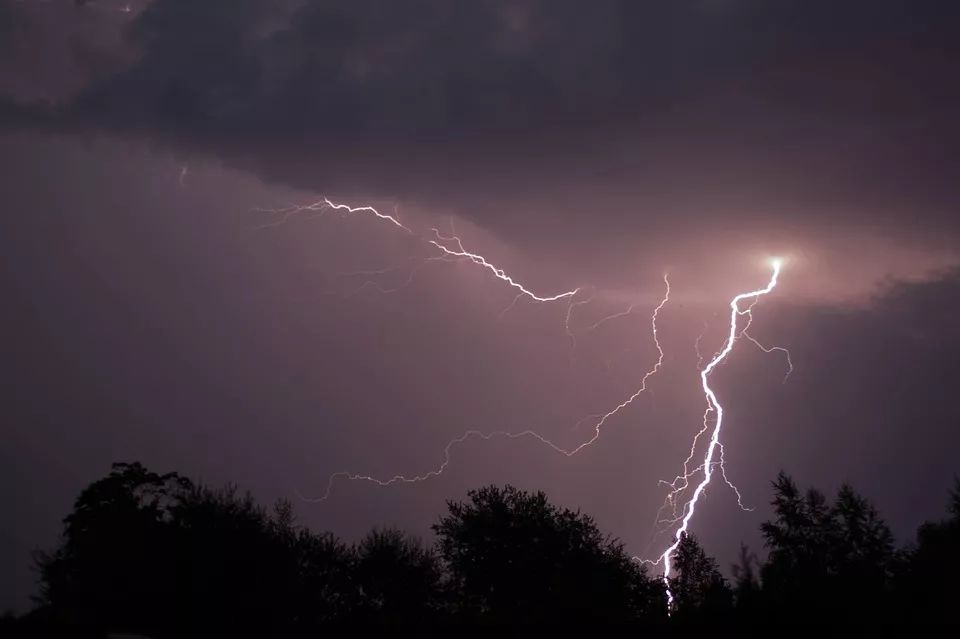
{"x":153,"y":311}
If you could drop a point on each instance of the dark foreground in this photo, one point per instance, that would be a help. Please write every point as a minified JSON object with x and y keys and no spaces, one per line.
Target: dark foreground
{"x":159,"y":556}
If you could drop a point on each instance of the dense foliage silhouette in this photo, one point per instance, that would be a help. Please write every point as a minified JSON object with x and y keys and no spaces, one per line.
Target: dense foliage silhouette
{"x":159,"y":556}
{"x":832,"y":560}
{"x":700,"y":592}
{"x":514,"y":557}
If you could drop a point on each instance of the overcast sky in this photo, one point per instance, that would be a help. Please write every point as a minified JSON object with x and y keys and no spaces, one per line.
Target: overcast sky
{"x":154,"y":311}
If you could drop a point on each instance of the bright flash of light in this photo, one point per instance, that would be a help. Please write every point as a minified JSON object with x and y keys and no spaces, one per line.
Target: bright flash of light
{"x":475,"y":434}
{"x":713,"y":406}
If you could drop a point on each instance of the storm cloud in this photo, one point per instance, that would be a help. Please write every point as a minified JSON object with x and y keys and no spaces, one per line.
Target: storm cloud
{"x":644,"y":114}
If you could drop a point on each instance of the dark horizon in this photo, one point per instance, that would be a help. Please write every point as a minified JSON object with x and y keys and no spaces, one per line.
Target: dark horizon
{"x":158,"y":555}
{"x":154,"y":309}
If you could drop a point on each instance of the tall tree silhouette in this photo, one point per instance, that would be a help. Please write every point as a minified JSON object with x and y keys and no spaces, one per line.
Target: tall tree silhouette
{"x":516,"y":558}
{"x":320,"y":587}
{"x":746,"y":588}
{"x":834,"y":560}
{"x":699,"y":590}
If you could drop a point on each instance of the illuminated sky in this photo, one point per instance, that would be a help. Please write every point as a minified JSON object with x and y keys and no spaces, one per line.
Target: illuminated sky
{"x":150,"y":312}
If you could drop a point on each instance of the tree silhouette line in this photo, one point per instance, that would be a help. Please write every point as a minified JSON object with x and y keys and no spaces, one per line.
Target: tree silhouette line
{"x":160,"y":556}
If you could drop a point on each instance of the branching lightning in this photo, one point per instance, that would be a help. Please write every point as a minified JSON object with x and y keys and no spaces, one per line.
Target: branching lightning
{"x":497,"y":272}
{"x":643,"y":382}
{"x":696,"y":345}
{"x":451,"y":249}
{"x":568,"y":452}
{"x":713,"y":406}
{"x":470,"y":434}
{"x":771,"y":349}
{"x":323,"y":206}
{"x":438,"y":241}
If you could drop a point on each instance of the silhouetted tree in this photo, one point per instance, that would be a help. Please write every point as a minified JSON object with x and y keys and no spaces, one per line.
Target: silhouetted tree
{"x":157,"y":555}
{"x":399,"y":580}
{"x":515,"y":558}
{"x":836,"y":561}
{"x":232,"y":566}
{"x":864,"y":557}
{"x":9,"y":624}
{"x":160,"y":556}
{"x":929,"y":586}
{"x":117,"y":559}
{"x":746,"y":584}
{"x":699,"y":590}
{"x":322,"y":588}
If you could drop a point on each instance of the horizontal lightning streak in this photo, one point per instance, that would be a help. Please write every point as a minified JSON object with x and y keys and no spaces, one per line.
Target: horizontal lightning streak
{"x":361,"y":209}
{"x":608,"y":318}
{"x":443,"y":466}
{"x":498,"y":272}
{"x":323,"y":205}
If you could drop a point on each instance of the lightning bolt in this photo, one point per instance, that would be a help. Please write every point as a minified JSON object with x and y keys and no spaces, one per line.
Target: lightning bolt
{"x":476,"y":434}
{"x":323,"y":207}
{"x":403,"y":479}
{"x":696,"y":345}
{"x":772,"y":349}
{"x":499,"y":273}
{"x":566,"y":324}
{"x":358,"y":209}
{"x":452,"y":249}
{"x":643,"y":382}
{"x":713,"y":406}
{"x":438,"y":241}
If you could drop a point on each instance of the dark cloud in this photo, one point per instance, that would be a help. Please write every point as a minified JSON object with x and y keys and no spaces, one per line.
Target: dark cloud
{"x":51,"y":50}
{"x":694,"y":110}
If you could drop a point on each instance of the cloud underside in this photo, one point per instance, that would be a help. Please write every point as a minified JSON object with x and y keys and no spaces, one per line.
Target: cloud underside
{"x":695,"y":111}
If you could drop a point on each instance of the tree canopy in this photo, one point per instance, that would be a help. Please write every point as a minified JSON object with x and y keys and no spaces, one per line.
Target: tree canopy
{"x":513,"y":556}
{"x":161,"y":556}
